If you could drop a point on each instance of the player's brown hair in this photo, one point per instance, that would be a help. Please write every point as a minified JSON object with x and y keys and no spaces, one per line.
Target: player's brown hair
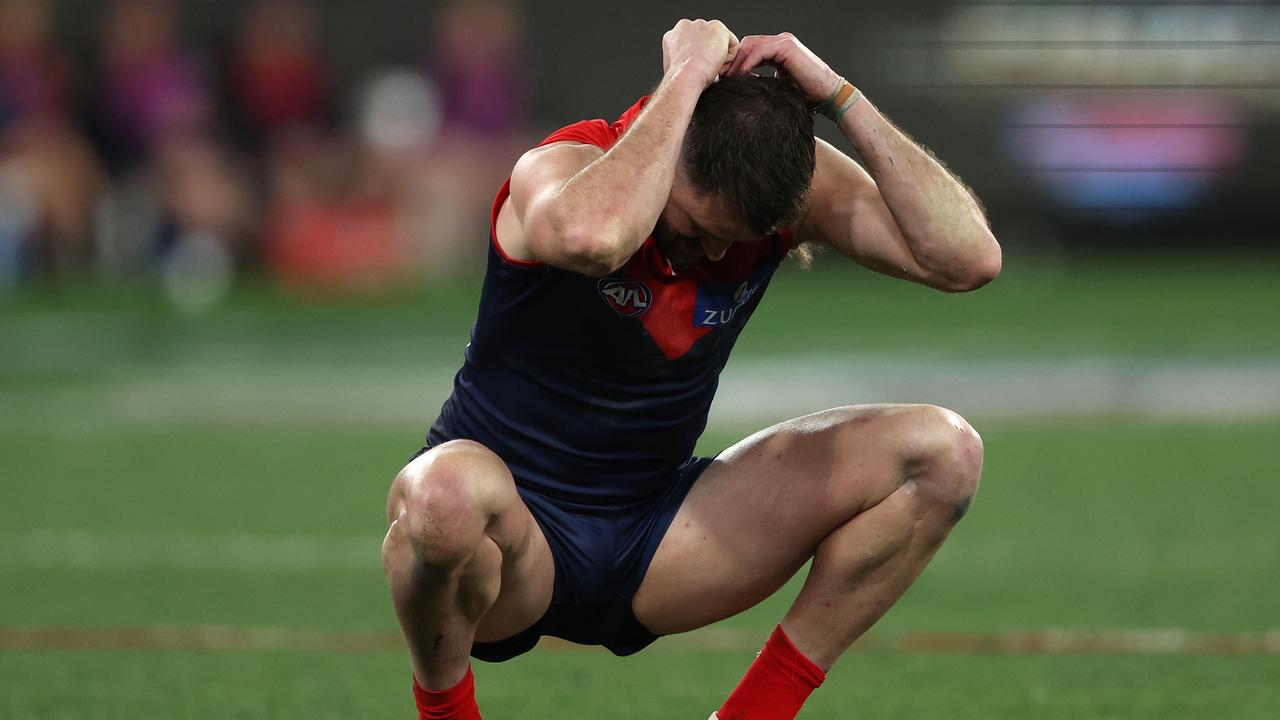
{"x":751,"y":141}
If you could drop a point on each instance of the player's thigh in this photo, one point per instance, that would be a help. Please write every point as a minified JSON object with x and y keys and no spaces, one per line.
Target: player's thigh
{"x":758,"y":513}
{"x":459,"y":501}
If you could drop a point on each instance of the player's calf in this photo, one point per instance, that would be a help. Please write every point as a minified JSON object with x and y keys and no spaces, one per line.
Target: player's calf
{"x":862,"y":567}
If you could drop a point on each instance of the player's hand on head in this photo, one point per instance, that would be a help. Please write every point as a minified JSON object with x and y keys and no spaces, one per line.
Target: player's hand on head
{"x":791,"y":59}
{"x":704,"y":45}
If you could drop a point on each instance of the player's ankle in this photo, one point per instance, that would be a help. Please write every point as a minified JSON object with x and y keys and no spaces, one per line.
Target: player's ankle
{"x":455,"y":703}
{"x":776,"y":685}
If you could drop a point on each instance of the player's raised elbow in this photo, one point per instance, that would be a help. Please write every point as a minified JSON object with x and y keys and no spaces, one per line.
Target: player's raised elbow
{"x":978,"y":268}
{"x":577,"y":245}
{"x":981,"y":272}
{"x":592,"y":250}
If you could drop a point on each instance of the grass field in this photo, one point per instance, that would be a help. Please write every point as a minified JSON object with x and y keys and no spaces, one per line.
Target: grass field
{"x":115,"y":516}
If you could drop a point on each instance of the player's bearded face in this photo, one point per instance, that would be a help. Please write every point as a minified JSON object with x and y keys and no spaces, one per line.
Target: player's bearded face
{"x":679,"y":250}
{"x":694,"y":226}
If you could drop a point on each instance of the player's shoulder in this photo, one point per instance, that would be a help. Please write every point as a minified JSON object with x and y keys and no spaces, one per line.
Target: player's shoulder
{"x":566,"y":151}
{"x":552,"y":163}
{"x":536,"y":178}
{"x":600,"y":133}
{"x":595,"y":132}
{"x":540,"y":173}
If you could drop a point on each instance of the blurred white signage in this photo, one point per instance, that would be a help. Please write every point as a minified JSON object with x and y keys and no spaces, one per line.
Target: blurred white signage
{"x":1232,"y":47}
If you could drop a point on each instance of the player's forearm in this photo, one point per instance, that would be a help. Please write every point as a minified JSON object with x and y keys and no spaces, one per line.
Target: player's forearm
{"x":944,"y":225}
{"x":612,"y":205}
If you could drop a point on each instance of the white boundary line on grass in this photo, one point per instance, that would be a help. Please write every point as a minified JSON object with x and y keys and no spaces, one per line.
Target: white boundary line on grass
{"x":753,"y":391}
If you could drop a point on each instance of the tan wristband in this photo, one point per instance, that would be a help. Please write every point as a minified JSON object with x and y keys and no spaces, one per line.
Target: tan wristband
{"x":849,"y":102}
{"x":839,"y":102}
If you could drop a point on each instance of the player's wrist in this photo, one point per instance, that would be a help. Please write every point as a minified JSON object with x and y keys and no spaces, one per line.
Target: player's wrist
{"x":692,"y":74}
{"x":840,"y":101}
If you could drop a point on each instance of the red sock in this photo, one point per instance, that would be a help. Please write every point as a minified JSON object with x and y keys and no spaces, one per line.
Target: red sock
{"x":456,"y":703}
{"x":776,"y":685}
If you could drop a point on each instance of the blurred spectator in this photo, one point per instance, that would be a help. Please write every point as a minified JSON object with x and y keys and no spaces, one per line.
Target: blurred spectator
{"x":181,"y":197}
{"x":49,"y":178}
{"x":478,"y":63}
{"x":152,"y":90}
{"x":34,"y":78}
{"x":279,"y":81}
{"x":327,"y":221}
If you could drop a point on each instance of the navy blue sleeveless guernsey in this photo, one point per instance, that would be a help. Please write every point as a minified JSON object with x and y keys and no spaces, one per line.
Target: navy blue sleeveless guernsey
{"x":595,"y":391}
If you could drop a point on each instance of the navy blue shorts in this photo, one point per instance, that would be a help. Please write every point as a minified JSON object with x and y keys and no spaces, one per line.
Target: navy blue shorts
{"x":601,"y":555}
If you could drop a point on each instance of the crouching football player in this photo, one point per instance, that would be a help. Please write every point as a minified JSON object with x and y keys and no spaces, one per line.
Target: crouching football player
{"x":557,"y":493}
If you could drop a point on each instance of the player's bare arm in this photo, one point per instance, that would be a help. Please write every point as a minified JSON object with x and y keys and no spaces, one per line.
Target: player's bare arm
{"x":577,"y":207}
{"x":904,"y":215}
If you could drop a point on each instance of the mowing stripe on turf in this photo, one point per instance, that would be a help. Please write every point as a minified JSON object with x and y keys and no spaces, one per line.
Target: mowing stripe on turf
{"x":1171,"y":641}
{"x":99,"y":550}
{"x":302,"y":554}
{"x":240,"y":552}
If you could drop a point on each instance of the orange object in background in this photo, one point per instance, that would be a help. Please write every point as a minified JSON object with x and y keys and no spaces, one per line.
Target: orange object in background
{"x":328,"y":247}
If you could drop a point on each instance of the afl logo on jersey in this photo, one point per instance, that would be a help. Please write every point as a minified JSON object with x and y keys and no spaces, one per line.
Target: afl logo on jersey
{"x":628,"y":298}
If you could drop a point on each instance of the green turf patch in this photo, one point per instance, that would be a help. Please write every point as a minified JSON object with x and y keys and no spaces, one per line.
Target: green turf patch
{"x":1079,"y":524}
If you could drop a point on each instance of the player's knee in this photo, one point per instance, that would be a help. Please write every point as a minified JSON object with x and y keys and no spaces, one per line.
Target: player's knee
{"x":446,"y":500}
{"x":943,"y":456}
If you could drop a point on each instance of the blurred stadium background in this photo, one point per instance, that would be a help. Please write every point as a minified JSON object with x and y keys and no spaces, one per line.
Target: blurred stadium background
{"x":239,"y":247}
